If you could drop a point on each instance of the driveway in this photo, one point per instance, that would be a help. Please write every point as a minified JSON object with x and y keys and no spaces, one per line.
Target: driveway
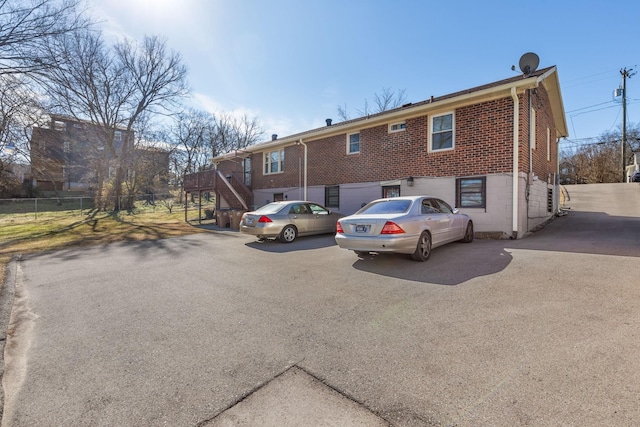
{"x":218,"y":329}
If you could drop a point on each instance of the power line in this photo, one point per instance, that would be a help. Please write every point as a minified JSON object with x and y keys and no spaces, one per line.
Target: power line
{"x":591,"y":106}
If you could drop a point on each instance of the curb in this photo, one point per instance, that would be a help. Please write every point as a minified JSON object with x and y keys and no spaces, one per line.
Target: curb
{"x":7,"y":294}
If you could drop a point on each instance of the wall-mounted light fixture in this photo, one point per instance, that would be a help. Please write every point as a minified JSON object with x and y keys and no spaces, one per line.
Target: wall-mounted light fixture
{"x":410,"y":181}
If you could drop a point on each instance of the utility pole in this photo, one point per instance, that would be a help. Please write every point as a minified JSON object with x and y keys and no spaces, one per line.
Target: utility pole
{"x":625,"y":74}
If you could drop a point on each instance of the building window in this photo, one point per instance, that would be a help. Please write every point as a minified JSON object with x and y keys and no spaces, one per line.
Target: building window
{"x":397,"y":127}
{"x":246,"y":168}
{"x":390,"y":191}
{"x":117,"y":136}
{"x":548,"y":145}
{"x":353,"y":143}
{"x":59,"y":125}
{"x":471,"y":192}
{"x":442,"y":135}
{"x":66,"y":146}
{"x":332,"y":196}
{"x":273,"y":162}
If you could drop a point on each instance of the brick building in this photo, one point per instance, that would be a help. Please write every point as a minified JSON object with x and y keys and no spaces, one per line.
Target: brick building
{"x":68,"y":154}
{"x":463,"y":147}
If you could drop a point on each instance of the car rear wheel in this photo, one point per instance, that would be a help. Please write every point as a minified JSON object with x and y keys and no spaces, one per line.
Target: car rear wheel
{"x":288,"y":234}
{"x":468,"y":234}
{"x":423,"y":248}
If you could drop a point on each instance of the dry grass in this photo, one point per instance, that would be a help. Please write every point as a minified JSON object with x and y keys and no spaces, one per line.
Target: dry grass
{"x":22,"y":234}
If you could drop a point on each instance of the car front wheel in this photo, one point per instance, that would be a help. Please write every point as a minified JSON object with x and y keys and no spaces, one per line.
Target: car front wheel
{"x":288,"y":234}
{"x":423,"y":249}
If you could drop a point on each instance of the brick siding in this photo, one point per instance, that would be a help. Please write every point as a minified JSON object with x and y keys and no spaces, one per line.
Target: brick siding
{"x":483,"y":145}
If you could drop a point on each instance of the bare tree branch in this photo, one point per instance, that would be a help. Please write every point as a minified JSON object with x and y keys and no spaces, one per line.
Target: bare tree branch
{"x":383,"y":101}
{"x":26,"y":26}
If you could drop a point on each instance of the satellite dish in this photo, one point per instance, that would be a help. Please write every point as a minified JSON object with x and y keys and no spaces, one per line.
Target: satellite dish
{"x":529,"y":62}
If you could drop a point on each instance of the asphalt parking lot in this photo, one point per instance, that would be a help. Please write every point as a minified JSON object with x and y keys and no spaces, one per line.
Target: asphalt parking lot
{"x":218,"y":329}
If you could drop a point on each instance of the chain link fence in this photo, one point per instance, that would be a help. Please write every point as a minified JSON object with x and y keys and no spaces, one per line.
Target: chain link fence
{"x":196,"y":209}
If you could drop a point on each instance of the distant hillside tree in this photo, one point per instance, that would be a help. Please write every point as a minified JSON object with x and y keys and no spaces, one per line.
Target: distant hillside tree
{"x":600,"y":161}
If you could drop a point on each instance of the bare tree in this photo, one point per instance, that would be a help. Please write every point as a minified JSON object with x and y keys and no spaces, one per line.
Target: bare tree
{"x":189,"y":134}
{"x":234,"y":133}
{"x":599,"y":162}
{"x":19,"y":111}
{"x":197,"y":136}
{"x":386,"y":100}
{"x":26,"y":27}
{"x":247,"y":131}
{"x":117,"y":89}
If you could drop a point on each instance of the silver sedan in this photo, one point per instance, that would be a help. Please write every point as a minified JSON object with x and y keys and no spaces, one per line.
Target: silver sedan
{"x":406,"y":225}
{"x":289,"y":219}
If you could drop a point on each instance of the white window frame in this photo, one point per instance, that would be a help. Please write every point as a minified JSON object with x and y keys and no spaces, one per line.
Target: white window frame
{"x":268,"y":162}
{"x":66,"y":146}
{"x":117,"y":136}
{"x":349,"y":142}
{"x":399,"y":127}
{"x":453,"y":131}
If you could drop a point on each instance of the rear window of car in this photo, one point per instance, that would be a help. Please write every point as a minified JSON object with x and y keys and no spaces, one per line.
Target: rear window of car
{"x":271,"y":208}
{"x":386,"y":207}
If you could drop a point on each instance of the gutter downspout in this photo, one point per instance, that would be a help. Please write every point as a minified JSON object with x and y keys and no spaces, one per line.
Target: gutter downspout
{"x":516,"y":126}
{"x":305,"y":167}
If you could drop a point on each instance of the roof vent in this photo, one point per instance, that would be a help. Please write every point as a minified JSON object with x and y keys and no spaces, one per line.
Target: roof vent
{"x":274,"y":136}
{"x":328,"y":122}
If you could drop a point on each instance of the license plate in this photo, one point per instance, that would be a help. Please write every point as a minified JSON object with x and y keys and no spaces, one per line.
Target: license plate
{"x":362,"y":228}
{"x":248,"y":221}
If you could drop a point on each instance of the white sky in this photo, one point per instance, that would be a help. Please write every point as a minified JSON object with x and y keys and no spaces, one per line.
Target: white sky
{"x":290,"y":63}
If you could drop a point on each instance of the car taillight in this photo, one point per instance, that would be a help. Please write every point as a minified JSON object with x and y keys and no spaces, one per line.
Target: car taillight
{"x":391,"y":228}
{"x":339,"y":228}
{"x":264,"y":218}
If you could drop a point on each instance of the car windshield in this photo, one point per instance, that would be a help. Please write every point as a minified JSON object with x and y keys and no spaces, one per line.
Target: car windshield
{"x":386,"y":207}
{"x":271,"y":208}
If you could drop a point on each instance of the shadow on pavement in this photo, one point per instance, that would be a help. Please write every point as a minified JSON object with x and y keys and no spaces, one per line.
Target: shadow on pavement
{"x":451,"y":264}
{"x":595,"y":233}
{"x":299,"y":244}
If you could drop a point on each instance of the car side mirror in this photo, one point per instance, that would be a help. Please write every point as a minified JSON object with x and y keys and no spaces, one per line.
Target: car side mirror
{"x":455,"y":211}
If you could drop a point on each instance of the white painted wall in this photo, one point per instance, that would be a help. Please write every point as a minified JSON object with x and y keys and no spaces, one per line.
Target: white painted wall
{"x":495,"y":218}
{"x":538,"y":213}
